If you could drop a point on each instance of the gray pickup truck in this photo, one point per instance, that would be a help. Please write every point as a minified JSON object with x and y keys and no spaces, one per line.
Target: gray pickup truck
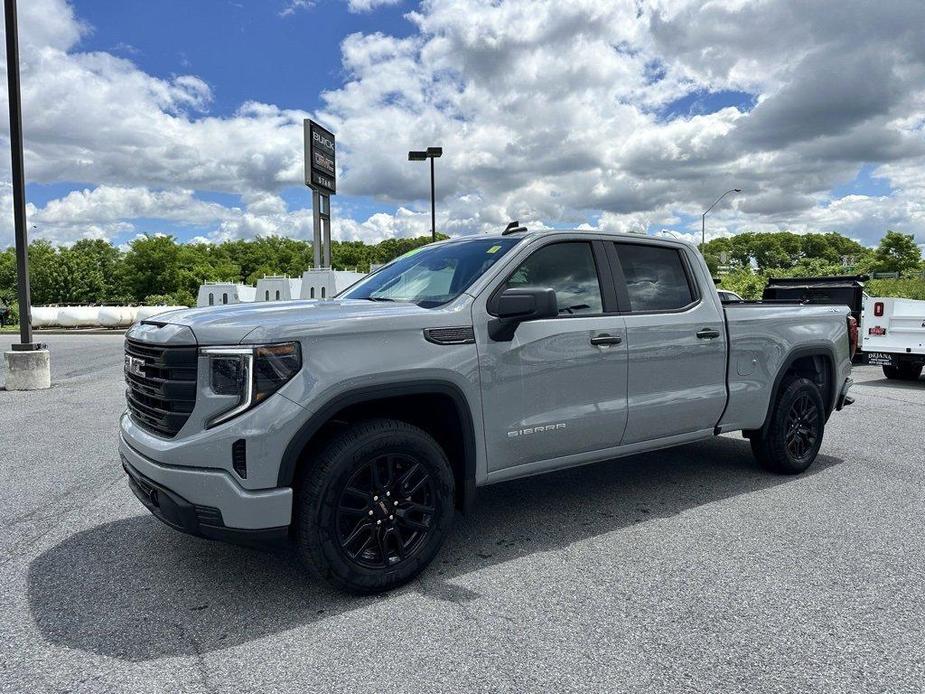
{"x":357,"y":426}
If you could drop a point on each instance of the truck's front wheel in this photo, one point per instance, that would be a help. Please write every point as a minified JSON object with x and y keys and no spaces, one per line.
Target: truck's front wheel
{"x":794,"y":434}
{"x":374,"y":507}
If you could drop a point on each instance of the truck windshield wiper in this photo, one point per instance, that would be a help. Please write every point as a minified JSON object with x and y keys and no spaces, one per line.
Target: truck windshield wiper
{"x":378,"y":298}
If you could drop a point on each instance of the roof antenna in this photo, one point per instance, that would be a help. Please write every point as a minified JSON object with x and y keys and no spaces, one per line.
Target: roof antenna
{"x":513,"y":228}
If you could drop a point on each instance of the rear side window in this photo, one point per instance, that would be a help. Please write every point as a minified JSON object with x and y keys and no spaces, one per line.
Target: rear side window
{"x":655,"y":278}
{"x":569,"y":269}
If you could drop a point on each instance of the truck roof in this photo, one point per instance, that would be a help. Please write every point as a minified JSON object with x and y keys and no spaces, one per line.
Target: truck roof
{"x":525,"y":233}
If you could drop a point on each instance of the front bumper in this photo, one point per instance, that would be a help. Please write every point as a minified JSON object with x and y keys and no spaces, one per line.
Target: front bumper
{"x":206,"y":502}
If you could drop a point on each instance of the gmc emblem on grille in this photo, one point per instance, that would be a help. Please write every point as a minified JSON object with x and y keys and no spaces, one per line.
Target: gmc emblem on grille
{"x":135,"y":366}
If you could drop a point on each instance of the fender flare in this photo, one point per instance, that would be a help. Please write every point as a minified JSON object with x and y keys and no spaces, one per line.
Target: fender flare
{"x":323,"y":414}
{"x":820,"y":349}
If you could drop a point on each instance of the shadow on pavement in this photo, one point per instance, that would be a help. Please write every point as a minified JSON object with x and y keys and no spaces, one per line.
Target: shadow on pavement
{"x":136,"y":590}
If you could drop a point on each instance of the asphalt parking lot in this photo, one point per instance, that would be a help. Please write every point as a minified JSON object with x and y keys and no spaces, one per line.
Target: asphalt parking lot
{"x":685,"y":570}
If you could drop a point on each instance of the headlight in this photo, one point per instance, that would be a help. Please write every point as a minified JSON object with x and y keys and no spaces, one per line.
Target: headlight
{"x":251,"y":373}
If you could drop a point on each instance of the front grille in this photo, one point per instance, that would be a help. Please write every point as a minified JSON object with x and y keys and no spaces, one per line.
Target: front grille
{"x":161,"y":397}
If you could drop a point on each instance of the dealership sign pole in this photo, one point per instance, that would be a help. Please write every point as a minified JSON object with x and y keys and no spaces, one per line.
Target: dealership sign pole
{"x":27,"y":362}
{"x":320,"y":176}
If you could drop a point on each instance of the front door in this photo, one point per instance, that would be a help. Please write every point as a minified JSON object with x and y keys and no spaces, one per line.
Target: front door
{"x":559,"y":386}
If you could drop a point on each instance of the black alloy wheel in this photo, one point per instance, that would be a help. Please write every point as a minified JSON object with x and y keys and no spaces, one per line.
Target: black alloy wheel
{"x":802,"y":428}
{"x":374,"y":505}
{"x":385,"y":511}
{"x":790,"y":441}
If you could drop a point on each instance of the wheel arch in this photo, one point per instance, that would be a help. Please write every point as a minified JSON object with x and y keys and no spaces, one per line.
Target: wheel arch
{"x":809,"y":360}
{"x":431,"y":399}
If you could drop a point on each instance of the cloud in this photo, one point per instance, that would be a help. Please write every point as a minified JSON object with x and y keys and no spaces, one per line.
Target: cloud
{"x":104,"y":212}
{"x":549,"y":112}
{"x":293,"y":6}
{"x":369,"y":5}
{"x":96,"y":118}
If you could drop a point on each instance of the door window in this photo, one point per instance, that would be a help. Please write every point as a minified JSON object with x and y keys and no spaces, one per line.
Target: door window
{"x":655,"y":278}
{"x":569,"y":269}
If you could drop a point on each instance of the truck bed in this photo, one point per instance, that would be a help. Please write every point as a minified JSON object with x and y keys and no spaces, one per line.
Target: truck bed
{"x":761,"y":336}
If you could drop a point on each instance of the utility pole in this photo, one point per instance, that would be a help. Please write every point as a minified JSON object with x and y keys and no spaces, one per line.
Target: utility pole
{"x":27,"y":362}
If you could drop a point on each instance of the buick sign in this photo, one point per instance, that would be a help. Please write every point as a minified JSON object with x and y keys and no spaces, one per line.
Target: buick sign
{"x":320,"y":148}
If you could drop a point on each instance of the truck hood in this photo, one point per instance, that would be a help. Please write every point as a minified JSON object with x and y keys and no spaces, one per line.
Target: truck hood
{"x":281,"y":320}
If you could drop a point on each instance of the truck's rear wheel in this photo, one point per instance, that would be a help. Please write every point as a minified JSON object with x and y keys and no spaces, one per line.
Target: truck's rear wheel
{"x":794,"y":435}
{"x":375,"y":506}
{"x":903,"y":372}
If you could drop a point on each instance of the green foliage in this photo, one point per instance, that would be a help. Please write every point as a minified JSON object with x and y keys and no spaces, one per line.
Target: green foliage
{"x":785,"y":250}
{"x":158,"y":270}
{"x":910,"y":288}
{"x":745,"y":283}
{"x":177,"y":298}
{"x":897,"y":253}
{"x":753,"y":257}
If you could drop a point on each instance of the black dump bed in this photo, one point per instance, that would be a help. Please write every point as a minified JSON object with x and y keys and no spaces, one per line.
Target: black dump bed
{"x":847,"y":291}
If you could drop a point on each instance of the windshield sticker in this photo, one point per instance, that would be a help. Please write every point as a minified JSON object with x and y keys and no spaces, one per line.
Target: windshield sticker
{"x":493,"y":249}
{"x":413,"y":251}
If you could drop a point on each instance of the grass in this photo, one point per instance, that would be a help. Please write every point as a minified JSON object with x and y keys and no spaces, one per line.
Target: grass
{"x":9,"y":329}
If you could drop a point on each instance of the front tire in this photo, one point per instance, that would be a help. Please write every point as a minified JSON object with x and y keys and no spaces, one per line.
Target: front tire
{"x":374,"y":507}
{"x":903,"y":372}
{"x":794,"y":434}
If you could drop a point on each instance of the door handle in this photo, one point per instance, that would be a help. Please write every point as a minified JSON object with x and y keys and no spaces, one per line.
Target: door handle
{"x":605,"y":339}
{"x":707,"y":333}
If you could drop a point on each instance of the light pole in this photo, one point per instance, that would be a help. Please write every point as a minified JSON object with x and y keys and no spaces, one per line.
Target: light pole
{"x":703,"y":218}
{"x":27,"y":362}
{"x":420,"y":155}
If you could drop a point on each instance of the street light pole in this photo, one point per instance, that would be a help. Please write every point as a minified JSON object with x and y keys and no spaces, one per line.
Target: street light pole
{"x":19,"y":186}
{"x":27,"y":363}
{"x":433,"y":204}
{"x":420,"y":155}
{"x":703,"y":217}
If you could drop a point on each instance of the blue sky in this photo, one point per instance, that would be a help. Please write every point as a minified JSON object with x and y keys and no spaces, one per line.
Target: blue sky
{"x":245,"y":51}
{"x":183,"y":117}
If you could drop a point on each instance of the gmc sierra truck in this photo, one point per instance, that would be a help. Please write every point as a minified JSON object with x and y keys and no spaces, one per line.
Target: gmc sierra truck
{"x":355,"y":427}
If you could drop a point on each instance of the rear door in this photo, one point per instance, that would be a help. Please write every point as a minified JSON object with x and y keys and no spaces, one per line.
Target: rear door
{"x":676,"y":342}
{"x":559,"y":386}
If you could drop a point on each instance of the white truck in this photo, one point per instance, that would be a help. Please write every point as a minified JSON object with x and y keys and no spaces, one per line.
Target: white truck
{"x":893,"y":336}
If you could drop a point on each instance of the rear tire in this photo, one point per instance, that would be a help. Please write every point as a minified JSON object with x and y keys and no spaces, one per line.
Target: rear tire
{"x":374,"y":507}
{"x":903,"y":372}
{"x":794,"y":435}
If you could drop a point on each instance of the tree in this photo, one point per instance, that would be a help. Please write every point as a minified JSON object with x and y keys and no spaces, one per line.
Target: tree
{"x":151,"y":267}
{"x":8,"y":276}
{"x":93,"y":264}
{"x":49,"y":278}
{"x":897,"y":253}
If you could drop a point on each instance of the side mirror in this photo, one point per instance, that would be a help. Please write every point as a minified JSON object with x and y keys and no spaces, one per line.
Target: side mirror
{"x":514,"y":306}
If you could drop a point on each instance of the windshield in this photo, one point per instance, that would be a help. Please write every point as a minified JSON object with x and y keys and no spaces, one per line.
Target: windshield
{"x":430,"y":276}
